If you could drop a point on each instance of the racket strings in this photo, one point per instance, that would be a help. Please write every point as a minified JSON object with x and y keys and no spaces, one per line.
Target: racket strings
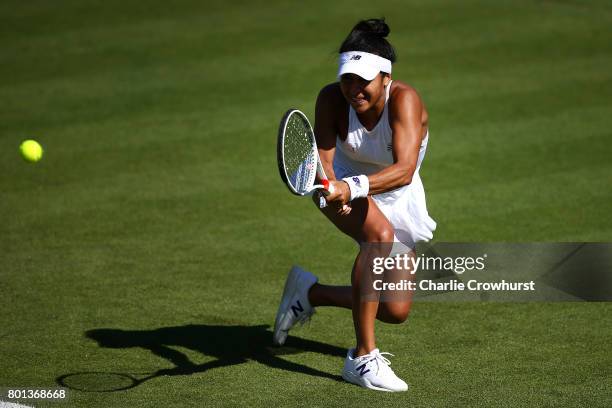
{"x":299,"y":159}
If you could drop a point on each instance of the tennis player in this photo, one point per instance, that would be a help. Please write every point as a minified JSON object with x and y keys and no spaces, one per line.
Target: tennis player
{"x":372,"y":134}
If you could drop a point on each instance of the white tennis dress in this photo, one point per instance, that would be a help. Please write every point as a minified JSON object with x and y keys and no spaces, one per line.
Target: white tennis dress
{"x":367,"y":152}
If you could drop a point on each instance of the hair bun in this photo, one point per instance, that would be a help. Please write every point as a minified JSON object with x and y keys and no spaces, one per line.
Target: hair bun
{"x":376,"y":26}
{"x":369,"y":36}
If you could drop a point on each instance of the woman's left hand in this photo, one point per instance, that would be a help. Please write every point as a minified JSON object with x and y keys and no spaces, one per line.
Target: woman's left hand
{"x":345,"y":209}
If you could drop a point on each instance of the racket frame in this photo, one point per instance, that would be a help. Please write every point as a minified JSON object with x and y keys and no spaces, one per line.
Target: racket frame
{"x":325,"y":187}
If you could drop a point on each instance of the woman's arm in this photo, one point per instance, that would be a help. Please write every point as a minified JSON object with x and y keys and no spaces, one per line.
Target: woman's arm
{"x":325,"y":127}
{"x":405,"y":117}
{"x":329,"y":101}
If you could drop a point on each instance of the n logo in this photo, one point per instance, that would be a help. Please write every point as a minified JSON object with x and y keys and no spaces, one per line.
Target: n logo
{"x":355,"y":58}
{"x":298,"y":308}
{"x":362,"y":369}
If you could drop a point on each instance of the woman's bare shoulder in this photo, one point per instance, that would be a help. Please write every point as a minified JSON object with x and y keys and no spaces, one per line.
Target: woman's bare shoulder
{"x":331,"y":94}
{"x":403,"y":90}
{"x":332,"y":108}
{"x":403,"y":97}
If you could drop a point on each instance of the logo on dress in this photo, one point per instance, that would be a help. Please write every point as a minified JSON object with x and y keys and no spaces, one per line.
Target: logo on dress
{"x":389,"y":147}
{"x":356,"y":180}
{"x":355,"y":58}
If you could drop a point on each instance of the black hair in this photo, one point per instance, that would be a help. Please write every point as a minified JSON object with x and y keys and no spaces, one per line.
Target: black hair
{"x":369,"y":36}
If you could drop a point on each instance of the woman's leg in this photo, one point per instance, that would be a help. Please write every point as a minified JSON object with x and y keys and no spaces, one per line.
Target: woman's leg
{"x":341,"y":296}
{"x":366,"y":223}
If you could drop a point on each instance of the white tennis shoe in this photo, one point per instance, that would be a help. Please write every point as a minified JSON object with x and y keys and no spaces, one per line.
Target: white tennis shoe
{"x":294,"y":307}
{"x":372,"y":371}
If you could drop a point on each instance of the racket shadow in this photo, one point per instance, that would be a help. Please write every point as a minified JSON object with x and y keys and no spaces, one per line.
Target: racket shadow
{"x":227,"y":344}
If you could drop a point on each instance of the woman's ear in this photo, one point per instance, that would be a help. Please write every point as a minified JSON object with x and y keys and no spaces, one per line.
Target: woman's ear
{"x":386,"y":79}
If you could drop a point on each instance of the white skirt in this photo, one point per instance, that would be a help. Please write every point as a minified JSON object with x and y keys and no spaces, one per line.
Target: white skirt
{"x":405,"y":208}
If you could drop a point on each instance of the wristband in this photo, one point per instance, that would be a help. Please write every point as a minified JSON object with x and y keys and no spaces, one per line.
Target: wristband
{"x":359,"y":186}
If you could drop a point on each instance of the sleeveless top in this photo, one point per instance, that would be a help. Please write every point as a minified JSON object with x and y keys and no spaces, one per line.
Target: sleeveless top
{"x":369,"y":151}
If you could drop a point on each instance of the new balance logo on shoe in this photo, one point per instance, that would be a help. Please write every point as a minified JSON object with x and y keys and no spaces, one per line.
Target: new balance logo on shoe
{"x":362,"y":369}
{"x":297,"y":309}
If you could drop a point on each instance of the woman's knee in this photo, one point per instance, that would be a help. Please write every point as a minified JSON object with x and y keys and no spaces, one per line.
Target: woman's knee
{"x":394,"y":312}
{"x":382,"y":233}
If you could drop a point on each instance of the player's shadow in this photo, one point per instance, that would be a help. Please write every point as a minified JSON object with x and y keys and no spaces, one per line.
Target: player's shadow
{"x":229,"y":345}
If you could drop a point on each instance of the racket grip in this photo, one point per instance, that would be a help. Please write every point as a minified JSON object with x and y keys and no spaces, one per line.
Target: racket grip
{"x":322,"y":201}
{"x":329,"y":188}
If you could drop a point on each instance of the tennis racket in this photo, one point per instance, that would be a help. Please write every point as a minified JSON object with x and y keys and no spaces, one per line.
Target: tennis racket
{"x":299,"y":163}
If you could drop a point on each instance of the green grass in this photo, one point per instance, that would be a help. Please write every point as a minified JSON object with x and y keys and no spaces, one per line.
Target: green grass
{"x":158,"y":204}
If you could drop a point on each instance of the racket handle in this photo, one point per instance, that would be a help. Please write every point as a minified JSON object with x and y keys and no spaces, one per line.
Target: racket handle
{"x":328,"y":188}
{"x":322,"y":201}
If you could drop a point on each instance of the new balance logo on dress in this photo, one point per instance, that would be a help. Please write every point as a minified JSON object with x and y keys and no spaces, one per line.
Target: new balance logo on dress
{"x":355,"y":58}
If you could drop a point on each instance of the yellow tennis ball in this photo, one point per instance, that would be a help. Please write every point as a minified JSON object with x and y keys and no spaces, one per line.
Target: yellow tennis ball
{"x":31,"y":151}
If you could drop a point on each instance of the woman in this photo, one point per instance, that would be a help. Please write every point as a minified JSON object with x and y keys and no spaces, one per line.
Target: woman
{"x":372,"y":135}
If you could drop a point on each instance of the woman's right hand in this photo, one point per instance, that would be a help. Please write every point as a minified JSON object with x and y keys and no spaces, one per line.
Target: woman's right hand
{"x":340,"y":197}
{"x":340,"y":193}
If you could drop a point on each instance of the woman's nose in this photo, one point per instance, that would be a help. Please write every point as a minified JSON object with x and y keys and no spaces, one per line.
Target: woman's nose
{"x":356,"y":88}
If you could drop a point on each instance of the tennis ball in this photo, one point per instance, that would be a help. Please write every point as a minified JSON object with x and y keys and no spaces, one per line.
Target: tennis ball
{"x":31,"y":151}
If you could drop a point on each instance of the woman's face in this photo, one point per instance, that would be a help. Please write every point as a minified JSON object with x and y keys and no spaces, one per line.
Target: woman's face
{"x":362,"y":94}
